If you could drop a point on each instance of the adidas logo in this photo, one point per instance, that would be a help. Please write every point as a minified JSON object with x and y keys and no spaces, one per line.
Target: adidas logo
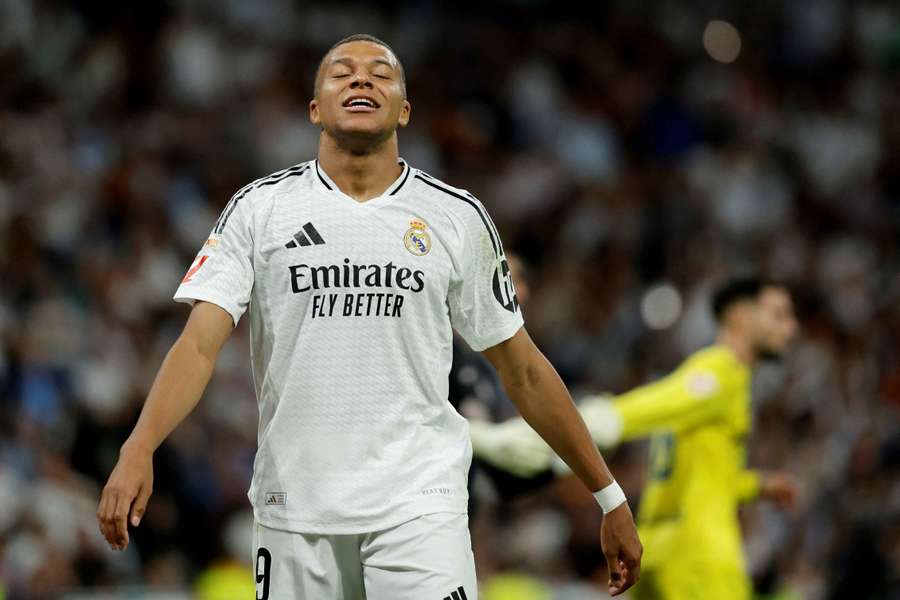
{"x":459,"y":594}
{"x":275,"y":498}
{"x":302,"y":240}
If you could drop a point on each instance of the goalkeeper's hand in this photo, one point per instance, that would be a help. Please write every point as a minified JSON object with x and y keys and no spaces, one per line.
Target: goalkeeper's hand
{"x":779,"y":486}
{"x":512,"y":446}
{"x":602,"y":420}
{"x":515,"y":447}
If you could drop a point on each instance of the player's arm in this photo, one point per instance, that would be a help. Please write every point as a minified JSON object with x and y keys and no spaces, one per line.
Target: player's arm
{"x":686,"y":398}
{"x":748,"y":485}
{"x":218,"y":285}
{"x":543,"y":401}
{"x":178,"y":386}
{"x":779,"y":486}
{"x":678,"y":401}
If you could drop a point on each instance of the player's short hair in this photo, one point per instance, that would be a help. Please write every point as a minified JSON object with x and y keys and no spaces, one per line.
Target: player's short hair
{"x":360,"y":37}
{"x":737,"y":290}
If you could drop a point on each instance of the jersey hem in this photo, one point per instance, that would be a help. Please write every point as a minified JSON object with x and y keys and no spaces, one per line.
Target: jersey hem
{"x":497,"y":336}
{"x":350,"y":526}
{"x":194,"y":297}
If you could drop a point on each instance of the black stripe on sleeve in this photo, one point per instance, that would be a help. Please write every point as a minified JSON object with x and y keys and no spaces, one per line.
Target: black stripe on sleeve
{"x":239,"y":193}
{"x":473,"y":204}
{"x":270,"y":180}
{"x":226,"y":214}
{"x":221,"y":214}
{"x":285,"y":176}
{"x":491,"y":223}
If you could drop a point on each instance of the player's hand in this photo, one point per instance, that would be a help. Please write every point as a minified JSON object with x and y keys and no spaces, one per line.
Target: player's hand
{"x":622,"y":548}
{"x":124,"y":498}
{"x":512,"y":446}
{"x":779,"y":486}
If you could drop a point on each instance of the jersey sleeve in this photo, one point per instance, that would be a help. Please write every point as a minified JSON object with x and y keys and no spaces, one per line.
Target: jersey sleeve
{"x":222,"y":272}
{"x":483,"y":306}
{"x":748,"y":486}
{"x":692,"y":395}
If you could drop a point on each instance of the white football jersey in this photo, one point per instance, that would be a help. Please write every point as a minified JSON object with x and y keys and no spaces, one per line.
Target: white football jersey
{"x":351,"y":308}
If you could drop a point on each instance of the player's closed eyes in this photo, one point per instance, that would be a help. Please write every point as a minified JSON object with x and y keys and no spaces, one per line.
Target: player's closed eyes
{"x":342,"y":75}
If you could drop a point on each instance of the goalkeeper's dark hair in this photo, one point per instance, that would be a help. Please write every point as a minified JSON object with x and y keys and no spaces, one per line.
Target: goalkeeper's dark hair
{"x":737,"y":290}
{"x":360,"y":37}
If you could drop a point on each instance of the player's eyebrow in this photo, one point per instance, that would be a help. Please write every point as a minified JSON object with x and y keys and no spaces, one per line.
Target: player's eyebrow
{"x":349,"y":62}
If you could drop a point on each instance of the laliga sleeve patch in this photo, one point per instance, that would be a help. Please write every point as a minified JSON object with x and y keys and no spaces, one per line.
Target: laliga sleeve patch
{"x":702,"y":386}
{"x":198,"y":262}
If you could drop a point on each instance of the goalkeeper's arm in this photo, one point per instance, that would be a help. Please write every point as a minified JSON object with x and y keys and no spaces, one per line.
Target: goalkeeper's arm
{"x":680,"y":400}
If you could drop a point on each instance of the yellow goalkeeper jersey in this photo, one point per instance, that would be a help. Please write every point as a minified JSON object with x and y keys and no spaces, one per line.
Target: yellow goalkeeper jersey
{"x":698,"y":418}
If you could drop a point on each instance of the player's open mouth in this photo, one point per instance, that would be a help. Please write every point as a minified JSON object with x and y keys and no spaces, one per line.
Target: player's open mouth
{"x":360,"y":104}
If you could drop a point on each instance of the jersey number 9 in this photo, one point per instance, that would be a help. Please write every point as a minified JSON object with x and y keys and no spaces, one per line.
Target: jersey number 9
{"x":263,"y":573}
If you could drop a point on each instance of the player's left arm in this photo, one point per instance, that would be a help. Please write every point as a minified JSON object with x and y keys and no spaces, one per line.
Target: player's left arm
{"x":543,"y":401}
{"x":484,"y":310}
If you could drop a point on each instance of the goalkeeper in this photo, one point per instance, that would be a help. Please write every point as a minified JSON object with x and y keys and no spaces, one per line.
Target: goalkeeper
{"x":698,"y":418}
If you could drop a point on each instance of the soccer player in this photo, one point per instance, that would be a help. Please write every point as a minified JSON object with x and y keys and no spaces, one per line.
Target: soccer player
{"x":698,"y":418}
{"x":355,"y":268}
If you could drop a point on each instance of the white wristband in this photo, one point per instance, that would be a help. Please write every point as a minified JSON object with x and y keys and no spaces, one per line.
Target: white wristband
{"x":610,"y":497}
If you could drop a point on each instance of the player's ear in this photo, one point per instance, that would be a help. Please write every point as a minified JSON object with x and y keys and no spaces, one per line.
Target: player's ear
{"x":405,"y":111}
{"x":314,"y":116}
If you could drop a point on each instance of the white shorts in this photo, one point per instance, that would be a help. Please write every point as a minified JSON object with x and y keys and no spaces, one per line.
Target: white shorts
{"x":427,"y":558}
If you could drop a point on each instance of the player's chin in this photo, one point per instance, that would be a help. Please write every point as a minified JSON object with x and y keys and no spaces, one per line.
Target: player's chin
{"x":364,"y":127}
{"x":371,"y":122}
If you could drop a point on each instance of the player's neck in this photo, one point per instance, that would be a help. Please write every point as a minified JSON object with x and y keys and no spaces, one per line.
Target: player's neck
{"x":739,"y":345}
{"x":360,"y":175}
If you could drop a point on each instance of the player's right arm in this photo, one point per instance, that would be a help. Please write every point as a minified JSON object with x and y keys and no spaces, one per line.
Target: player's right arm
{"x":177,"y":389}
{"x":218,"y":285}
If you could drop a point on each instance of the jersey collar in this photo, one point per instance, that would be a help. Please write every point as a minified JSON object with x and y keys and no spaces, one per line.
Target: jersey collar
{"x":392,"y":189}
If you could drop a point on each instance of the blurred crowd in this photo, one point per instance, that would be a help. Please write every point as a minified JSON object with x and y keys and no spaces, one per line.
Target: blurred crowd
{"x":630,"y":170}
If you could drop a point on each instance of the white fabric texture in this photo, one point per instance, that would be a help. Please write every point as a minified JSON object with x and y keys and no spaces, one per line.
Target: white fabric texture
{"x":351,"y":307}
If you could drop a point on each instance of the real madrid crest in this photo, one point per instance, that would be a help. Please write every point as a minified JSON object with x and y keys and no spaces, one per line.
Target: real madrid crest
{"x":416,"y":239}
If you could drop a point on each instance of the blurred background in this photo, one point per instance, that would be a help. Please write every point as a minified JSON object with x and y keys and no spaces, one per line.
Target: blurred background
{"x":634,"y":154}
